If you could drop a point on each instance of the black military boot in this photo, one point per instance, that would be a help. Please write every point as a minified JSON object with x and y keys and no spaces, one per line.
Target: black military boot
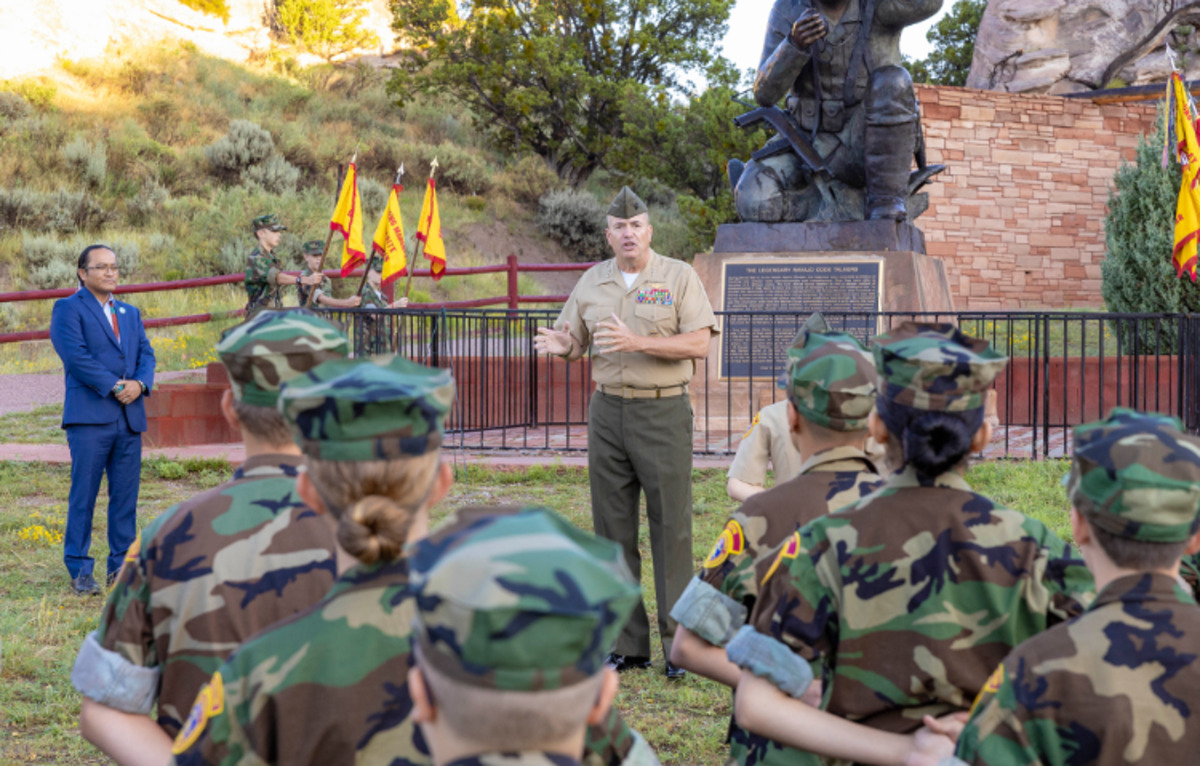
{"x":889,"y":158}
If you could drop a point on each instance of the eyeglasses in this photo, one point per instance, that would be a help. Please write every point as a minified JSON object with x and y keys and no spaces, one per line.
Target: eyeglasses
{"x":104,"y":269}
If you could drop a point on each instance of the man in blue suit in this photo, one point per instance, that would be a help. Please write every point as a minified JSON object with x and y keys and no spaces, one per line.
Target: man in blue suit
{"x":109,"y":367}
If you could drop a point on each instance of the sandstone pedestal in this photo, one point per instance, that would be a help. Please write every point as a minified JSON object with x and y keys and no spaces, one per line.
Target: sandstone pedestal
{"x":788,"y":270}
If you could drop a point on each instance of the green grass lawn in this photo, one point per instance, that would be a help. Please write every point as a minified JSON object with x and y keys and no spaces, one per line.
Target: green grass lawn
{"x":42,"y":623}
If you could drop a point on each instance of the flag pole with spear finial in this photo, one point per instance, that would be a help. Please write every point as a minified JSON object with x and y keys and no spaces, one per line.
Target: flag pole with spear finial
{"x":328,"y":239}
{"x":420,"y":243}
{"x":399,"y":176}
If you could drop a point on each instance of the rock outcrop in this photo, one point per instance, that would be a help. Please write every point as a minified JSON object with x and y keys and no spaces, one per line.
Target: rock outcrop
{"x":34,"y":35}
{"x":1068,"y":46}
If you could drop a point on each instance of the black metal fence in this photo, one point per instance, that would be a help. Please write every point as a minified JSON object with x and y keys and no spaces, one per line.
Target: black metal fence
{"x":1065,"y":368}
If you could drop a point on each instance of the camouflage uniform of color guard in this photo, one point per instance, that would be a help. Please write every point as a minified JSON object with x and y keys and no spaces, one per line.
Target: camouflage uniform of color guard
{"x":906,"y":601}
{"x":218,"y":568}
{"x":498,"y":613}
{"x":1121,"y":684}
{"x":261,"y":268}
{"x":372,"y":336}
{"x":329,"y":686}
{"x":830,"y":380}
{"x":312,"y":247}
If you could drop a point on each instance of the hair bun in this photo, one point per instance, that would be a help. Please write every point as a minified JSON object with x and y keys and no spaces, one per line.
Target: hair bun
{"x":935,"y":442}
{"x":374,"y":528}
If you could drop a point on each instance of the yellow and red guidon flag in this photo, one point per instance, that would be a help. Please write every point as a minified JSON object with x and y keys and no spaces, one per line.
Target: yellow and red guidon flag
{"x":1181,"y":129}
{"x":429,"y":231}
{"x":347,"y":220}
{"x":389,"y":238}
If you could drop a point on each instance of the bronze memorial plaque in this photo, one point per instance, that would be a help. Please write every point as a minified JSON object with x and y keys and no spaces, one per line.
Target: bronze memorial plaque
{"x":767,"y":300}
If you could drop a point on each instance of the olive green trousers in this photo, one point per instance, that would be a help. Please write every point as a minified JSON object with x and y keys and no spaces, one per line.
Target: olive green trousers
{"x":636,"y":446}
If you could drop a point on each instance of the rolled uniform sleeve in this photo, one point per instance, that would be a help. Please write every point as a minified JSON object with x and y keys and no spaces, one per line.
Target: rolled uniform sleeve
{"x":789,"y":628}
{"x":781,"y":62}
{"x":903,"y":13}
{"x":118,"y":664}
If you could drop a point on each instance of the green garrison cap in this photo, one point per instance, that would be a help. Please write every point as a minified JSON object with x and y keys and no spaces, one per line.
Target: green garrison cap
{"x":379,"y":408}
{"x":313,"y":247}
{"x":518,"y":599}
{"x":1137,"y":476}
{"x":268,"y":221}
{"x":830,"y":378}
{"x":935,"y":367}
{"x":273,"y":347}
{"x":627,"y":204}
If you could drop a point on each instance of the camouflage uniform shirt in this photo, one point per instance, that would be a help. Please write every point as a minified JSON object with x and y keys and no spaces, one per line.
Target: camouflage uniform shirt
{"x":908,"y":600}
{"x":373,"y":299}
{"x":1116,"y":686}
{"x":304,"y":289}
{"x":271,"y":700}
{"x":261,"y":288}
{"x":211,"y":572}
{"x":828,"y":481}
{"x":371,"y":337}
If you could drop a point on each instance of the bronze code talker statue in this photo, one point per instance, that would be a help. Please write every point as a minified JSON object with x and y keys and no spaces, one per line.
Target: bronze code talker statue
{"x":851,"y":123}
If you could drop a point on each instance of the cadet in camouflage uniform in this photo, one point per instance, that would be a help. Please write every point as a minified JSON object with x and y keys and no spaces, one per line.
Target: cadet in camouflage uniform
{"x":264,"y":270}
{"x":906,"y":601}
{"x":214,"y":570}
{"x":372,"y":431}
{"x":372,"y":336}
{"x":1120,"y":685}
{"x":830,"y":383}
{"x":312,"y":251}
{"x":514,"y":617}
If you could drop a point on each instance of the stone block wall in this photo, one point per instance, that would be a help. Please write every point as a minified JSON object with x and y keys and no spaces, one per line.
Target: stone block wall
{"x":1018,"y":216}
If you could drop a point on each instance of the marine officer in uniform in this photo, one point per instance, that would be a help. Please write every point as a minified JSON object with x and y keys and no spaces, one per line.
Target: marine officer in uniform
{"x":647,"y":320}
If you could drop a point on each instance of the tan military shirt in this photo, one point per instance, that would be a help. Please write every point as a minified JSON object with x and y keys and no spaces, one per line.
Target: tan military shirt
{"x":666,"y":299}
{"x":769,"y":438}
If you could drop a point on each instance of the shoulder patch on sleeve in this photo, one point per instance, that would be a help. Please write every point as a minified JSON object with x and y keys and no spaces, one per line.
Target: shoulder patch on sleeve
{"x":991,"y":687}
{"x":209,"y":702}
{"x":790,"y":550}
{"x":753,"y":423}
{"x":134,"y":550}
{"x":731,"y":542}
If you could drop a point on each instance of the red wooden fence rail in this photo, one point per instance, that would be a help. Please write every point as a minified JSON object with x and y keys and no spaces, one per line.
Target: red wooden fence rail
{"x":511,"y":267}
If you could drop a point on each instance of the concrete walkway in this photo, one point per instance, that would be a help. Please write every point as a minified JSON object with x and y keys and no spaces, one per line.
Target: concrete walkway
{"x":235,"y":454}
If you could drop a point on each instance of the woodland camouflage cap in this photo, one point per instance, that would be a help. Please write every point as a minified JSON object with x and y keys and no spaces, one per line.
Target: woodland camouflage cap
{"x":518,"y":600}
{"x":830,"y":378}
{"x":935,"y":367}
{"x":273,"y":347}
{"x":627,"y":204}
{"x":313,"y":247}
{"x":268,"y":221}
{"x":1137,"y":476}
{"x":378,"y":408}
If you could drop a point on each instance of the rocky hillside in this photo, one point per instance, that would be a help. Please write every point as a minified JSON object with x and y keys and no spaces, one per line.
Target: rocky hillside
{"x":1069,"y":46}
{"x":34,"y":35}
